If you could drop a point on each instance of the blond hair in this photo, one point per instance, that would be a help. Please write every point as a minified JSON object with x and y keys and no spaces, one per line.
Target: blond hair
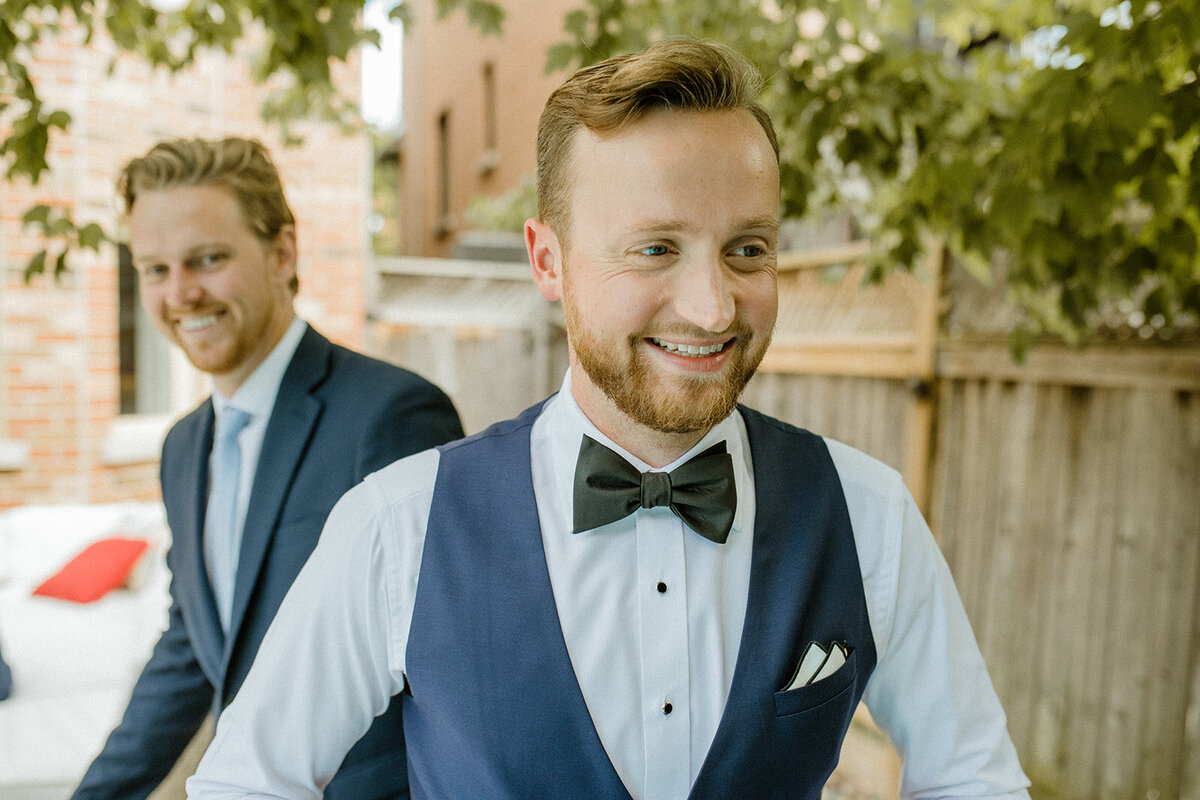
{"x":605,"y":98}
{"x":242,"y":165}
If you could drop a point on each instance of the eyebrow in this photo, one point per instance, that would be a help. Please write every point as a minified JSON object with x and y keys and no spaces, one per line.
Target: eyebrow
{"x":191,"y":252}
{"x":770,"y":223}
{"x":673,"y":225}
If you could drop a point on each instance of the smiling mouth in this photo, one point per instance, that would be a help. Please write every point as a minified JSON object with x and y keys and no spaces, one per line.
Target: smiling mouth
{"x":690,"y":350}
{"x":198,"y":323}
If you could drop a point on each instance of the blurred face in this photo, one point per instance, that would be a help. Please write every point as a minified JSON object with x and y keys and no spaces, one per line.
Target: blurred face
{"x":210,"y":284}
{"x":667,"y":274}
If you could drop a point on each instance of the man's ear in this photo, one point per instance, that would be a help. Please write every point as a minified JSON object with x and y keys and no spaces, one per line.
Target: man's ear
{"x":545,"y":256}
{"x":285,"y":252}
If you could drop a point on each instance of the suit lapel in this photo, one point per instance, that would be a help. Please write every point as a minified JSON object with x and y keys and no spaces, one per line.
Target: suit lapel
{"x":486,"y":641}
{"x":760,"y":643}
{"x":189,"y":500}
{"x":289,"y":430}
{"x":802,"y":536}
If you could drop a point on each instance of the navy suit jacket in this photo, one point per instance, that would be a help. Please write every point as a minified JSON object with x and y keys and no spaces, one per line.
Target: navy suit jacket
{"x":5,"y":679}
{"x":338,"y":416}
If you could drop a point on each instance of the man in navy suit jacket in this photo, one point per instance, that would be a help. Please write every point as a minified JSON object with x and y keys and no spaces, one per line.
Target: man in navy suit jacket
{"x":214,"y":243}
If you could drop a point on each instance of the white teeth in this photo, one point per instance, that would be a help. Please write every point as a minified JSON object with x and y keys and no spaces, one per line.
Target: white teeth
{"x":196,"y":323}
{"x":695,"y":351}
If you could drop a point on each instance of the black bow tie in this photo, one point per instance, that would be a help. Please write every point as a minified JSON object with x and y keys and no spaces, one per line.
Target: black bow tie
{"x":700,"y":492}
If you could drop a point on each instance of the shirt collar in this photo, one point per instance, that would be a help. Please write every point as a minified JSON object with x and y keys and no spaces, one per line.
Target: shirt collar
{"x":569,"y":425}
{"x":256,"y":395}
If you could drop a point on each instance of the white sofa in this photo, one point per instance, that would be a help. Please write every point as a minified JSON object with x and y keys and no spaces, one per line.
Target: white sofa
{"x":73,"y":665}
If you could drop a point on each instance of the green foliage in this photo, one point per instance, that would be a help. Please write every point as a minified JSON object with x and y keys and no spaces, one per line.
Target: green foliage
{"x":484,"y":15}
{"x":507,"y":212}
{"x":57,"y":225}
{"x":301,"y":39}
{"x":1062,"y":137}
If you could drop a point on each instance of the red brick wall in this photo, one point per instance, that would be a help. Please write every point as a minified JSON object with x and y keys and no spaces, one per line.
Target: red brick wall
{"x":443,"y":73}
{"x":58,"y":341}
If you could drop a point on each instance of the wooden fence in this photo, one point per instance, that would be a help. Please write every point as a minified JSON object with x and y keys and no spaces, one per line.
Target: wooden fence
{"x":1067,"y":497}
{"x":480,"y":330}
{"x":1064,"y":491}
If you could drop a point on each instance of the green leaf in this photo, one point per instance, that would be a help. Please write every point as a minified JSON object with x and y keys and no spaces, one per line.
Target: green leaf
{"x":402,"y":13}
{"x":1185,"y":108}
{"x":60,"y":226}
{"x":1157,"y":190}
{"x":1078,"y":298}
{"x":854,"y":145}
{"x":575,"y":23}
{"x":488,"y":17}
{"x":1178,"y":242}
{"x":1011,"y":208}
{"x":91,"y":236}
{"x":1158,"y":302}
{"x":38,"y":215}
{"x":559,"y":57}
{"x":1129,"y":106}
{"x":36,"y":265}
{"x":1190,"y":301}
{"x":1019,"y":343}
{"x":8,"y":40}
{"x":1137,"y":263}
{"x":884,"y":118}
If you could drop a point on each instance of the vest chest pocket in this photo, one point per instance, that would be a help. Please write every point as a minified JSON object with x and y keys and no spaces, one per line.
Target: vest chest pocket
{"x":826,"y":690}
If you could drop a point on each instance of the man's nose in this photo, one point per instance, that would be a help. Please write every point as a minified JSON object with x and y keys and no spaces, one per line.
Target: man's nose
{"x":182,"y":289}
{"x":704,"y":296}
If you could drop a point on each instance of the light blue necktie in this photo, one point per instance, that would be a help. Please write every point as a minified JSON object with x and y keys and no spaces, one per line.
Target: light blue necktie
{"x":221,"y":540}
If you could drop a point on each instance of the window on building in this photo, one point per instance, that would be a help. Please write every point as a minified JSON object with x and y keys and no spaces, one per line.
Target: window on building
{"x":144,"y":356}
{"x":489,"y":107}
{"x":490,"y":156}
{"x":443,"y":227}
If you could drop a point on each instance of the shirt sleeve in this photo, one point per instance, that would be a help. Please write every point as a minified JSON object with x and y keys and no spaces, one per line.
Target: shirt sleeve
{"x":334,"y":655}
{"x":930,"y":691}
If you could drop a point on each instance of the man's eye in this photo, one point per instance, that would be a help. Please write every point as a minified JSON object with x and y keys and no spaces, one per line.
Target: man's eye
{"x":654,"y":250}
{"x":209,"y":260}
{"x":750,"y":251}
{"x":153,"y":273}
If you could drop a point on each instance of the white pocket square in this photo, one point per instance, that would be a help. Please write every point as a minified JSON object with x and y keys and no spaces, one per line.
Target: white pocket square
{"x":818,"y":663}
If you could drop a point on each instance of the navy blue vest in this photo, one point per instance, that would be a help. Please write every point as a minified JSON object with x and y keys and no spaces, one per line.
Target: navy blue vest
{"x":493,"y":708}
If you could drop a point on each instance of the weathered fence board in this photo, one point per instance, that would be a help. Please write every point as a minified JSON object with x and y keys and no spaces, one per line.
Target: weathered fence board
{"x":478,"y":329}
{"x":1070,"y":517}
{"x":869,"y":414}
{"x":490,"y":373}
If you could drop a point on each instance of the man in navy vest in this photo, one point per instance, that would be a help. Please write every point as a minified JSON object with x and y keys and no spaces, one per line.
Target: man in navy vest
{"x":637,"y":588}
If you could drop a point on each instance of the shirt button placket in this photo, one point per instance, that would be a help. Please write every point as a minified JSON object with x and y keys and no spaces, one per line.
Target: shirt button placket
{"x":664,"y":651}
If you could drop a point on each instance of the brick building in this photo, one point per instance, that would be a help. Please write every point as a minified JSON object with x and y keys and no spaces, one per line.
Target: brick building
{"x":471,"y":107}
{"x":87,"y":387}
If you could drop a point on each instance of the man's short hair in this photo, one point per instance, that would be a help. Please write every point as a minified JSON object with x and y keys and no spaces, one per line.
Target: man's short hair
{"x":242,"y":165}
{"x":605,"y":98}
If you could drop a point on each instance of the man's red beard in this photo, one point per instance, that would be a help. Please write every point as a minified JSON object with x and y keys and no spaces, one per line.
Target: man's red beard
{"x":692,"y":404}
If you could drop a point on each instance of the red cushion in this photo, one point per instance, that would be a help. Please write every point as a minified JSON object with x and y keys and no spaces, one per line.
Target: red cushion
{"x":101,"y":567}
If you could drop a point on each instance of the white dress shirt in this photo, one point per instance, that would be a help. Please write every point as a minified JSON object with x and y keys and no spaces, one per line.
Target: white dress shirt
{"x":336,"y":652}
{"x":256,"y":396}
